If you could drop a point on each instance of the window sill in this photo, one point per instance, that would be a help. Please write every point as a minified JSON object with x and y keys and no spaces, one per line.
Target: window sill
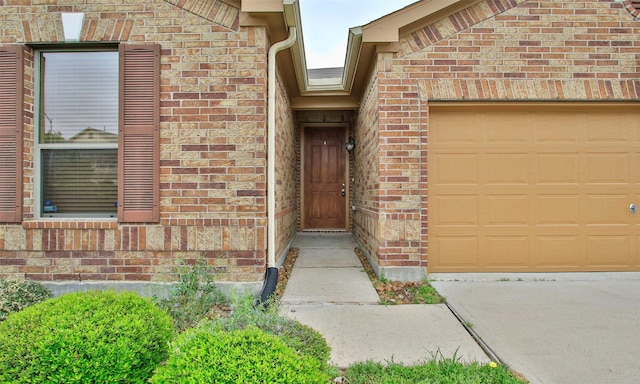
{"x":70,"y":224}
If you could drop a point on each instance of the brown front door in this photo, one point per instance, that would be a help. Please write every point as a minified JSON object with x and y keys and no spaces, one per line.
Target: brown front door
{"x":324,"y":178}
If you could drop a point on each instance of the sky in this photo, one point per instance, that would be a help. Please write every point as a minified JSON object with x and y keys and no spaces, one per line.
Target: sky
{"x":326,"y":23}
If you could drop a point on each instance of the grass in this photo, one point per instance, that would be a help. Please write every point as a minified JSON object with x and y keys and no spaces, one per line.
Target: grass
{"x":426,"y":294}
{"x":439,"y":370}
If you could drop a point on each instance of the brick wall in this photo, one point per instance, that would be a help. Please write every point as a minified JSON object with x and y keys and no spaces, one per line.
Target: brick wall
{"x":518,"y":50}
{"x":286,"y":172}
{"x":400,"y":168}
{"x":213,"y":165}
{"x":537,"y":50}
{"x":365,"y":226}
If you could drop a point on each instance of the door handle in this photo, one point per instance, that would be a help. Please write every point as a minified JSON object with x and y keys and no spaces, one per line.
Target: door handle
{"x":632,"y":208}
{"x":343,"y":192}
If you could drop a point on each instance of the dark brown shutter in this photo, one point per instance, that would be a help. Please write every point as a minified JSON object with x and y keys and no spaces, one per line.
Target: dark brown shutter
{"x":139,"y":134}
{"x":11,"y":112}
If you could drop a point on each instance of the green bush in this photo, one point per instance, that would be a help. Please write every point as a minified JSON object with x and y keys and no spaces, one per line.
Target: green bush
{"x":191,"y":299}
{"x":16,"y":295}
{"x":301,"y":338}
{"x":91,"y":337}
{"x":242,"y":356}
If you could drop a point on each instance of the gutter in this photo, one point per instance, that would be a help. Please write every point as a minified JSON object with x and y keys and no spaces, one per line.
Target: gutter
{"x":271,"y":276}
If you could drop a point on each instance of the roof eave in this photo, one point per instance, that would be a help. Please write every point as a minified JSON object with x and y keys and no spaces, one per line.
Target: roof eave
{"x":381,"y":35}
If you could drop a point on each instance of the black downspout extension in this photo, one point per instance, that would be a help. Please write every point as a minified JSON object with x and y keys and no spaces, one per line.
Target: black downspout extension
{"x":268,"y":288}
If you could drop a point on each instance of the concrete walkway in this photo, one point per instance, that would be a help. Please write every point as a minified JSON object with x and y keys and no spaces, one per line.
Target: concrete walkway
{"x":330,"y":291}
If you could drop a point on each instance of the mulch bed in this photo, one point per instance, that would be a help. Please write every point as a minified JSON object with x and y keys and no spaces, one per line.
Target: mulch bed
{"x":393,"y":292}
{"x":285,"y":271}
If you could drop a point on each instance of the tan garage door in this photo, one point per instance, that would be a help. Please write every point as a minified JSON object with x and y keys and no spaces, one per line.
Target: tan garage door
{"x":525,"y":188}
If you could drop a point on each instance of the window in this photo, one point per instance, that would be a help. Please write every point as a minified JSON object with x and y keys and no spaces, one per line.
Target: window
{"x":97,"y":132}
{"x":78,"y":133}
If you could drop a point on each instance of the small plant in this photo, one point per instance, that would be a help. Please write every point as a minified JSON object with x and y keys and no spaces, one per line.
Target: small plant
{"x":90,"y":337}
{"x":16,"y":295}
{"x":301,"y":338}
{"x":383,"y":279}
{"x":193,"y":297}
{"x":425,"y":293}
{"x":468,"y":324}
{"x":242,"y":356}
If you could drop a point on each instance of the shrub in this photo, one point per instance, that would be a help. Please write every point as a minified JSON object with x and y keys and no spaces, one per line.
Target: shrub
{"x":192,"y":298}
{"x":90,"y":337}
{"x":16,"y":295}
{"x":241,"y":356}
{"x":301,"y":338}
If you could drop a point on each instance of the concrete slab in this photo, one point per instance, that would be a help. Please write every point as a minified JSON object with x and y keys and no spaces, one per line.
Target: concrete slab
{"x":334,"y":258}
{"x":329,"y":285}
{"x":556,"y":331}
{"x":407,"y":334}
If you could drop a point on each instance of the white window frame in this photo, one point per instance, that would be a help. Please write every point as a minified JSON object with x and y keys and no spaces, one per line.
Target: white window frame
{"x":39,"y":147}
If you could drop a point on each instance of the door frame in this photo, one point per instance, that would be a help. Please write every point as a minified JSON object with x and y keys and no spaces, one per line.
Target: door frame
{"x":347,"y":175}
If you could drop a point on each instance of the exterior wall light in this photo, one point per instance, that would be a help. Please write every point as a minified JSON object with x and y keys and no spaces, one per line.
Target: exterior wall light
{"x":72,"y":26}
{"x":350,"y":144}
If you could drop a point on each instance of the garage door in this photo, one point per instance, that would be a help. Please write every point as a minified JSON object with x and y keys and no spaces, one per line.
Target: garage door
{"x":524,"y":188}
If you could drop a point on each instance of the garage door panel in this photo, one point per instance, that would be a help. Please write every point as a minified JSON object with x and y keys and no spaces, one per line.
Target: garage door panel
{"x":456,"y":169}
{"x":554,"y":210}
{"x":557,"y":168}
{"x":619,"y":133}
{"x":636,"y":261}
{"x":609,"y":252}
{"x":558,"y":128}
{"x":507,"y":210}
{"x":607,"y":210}
{"x":562,"y":252}
{"x":456,"y":210}
{"x":607,"y":168}
{"x":635,"y":169}
{"x":533,"y":187}
{"x":457,"y":252}
{"x":499,"y":129}
{"x":512,"y":251}
{"x":507,"y":168}
{"x":460,"y":129}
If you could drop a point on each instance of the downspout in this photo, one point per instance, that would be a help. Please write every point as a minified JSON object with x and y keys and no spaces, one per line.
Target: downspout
{"x":271,"y":276}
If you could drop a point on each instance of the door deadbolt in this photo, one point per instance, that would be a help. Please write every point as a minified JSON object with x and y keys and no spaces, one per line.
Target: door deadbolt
{"x":632,"y":208}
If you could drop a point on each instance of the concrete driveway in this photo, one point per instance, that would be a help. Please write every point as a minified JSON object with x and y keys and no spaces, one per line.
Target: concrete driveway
{"x":554,"y":328}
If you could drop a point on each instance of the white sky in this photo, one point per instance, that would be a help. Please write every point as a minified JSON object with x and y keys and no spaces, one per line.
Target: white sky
{"x":326,"y":23}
